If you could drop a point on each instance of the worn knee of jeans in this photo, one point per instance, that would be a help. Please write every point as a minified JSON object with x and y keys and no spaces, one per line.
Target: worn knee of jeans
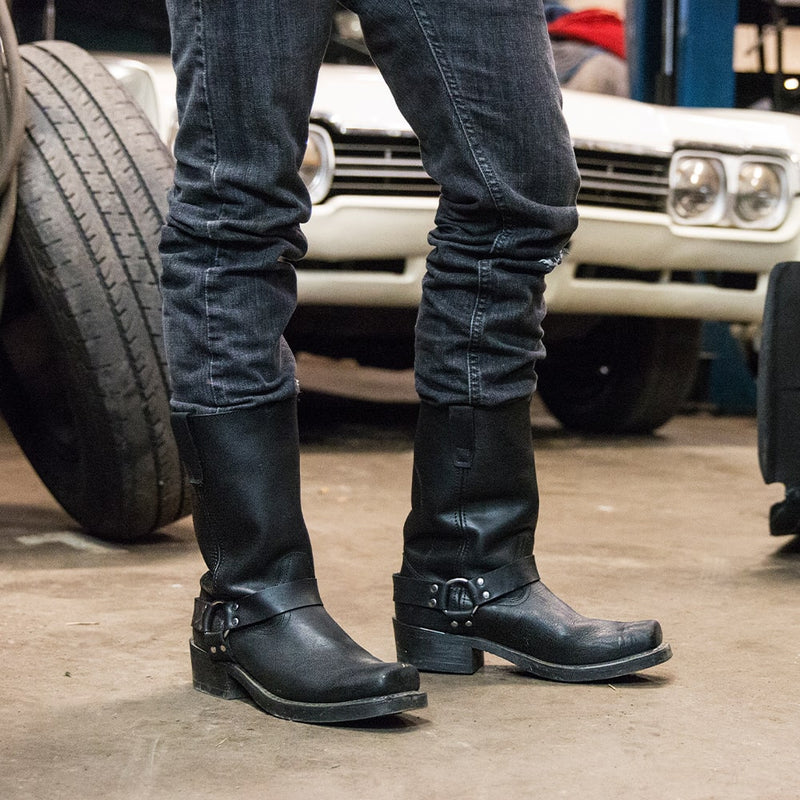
{"x":482,"y":96}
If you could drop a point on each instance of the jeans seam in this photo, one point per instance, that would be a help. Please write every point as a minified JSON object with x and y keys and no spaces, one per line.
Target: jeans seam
{"x":459,"y":108}
{"x":207,"y":103}
{"x":201,"y":44}
{"x":474,"y":383}
{"x":212,"y":385}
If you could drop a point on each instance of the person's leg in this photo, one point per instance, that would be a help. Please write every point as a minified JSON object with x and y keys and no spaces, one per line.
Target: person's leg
{"x":477,"y":85}
{"x":476,"y":82}
{"x":246,"y":76}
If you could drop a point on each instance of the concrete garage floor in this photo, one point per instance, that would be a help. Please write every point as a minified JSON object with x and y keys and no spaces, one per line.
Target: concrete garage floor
{"x":96,"y":693}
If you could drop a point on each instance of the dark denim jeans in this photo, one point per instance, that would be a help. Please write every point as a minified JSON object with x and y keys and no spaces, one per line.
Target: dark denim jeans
{"x":476,"y":82}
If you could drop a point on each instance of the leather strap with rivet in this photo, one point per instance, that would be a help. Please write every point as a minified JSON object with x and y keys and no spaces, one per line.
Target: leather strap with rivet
{"x":460,"y":598}
{"x":213,"y":620}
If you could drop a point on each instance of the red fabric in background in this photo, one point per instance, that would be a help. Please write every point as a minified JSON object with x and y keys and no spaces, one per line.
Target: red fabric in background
{"x":594,"y":26}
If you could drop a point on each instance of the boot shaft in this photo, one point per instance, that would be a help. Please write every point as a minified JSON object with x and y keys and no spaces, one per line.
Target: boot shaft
{"x":244,"y":470}
{"x":474,"y":497}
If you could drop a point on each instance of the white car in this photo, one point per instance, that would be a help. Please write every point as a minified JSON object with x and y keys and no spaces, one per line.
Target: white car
{"x":683,"y":214}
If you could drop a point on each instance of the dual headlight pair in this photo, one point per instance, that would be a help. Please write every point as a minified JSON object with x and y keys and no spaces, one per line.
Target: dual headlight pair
{"x":728,"y":190}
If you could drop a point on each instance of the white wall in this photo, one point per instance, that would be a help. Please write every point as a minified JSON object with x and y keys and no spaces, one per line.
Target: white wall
{"x":611,"y":5}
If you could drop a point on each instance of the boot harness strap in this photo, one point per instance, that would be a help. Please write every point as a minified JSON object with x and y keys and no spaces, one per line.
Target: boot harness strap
{"x":460,"y":598}
{"x":249,"y":609}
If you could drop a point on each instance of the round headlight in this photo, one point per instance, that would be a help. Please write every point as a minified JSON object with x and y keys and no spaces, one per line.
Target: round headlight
{"x":760,"y":194}
{"x":697,"y":193}
{"x":317,"y":167}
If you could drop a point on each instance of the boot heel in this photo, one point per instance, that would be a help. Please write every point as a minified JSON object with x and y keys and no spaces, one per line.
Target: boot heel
{"x":212,"y":677}
{"x":432,"y":651}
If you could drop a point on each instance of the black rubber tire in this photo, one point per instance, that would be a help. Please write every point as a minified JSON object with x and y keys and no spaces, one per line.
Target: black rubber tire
{"x":83,"y":381}
{"x":626,"y":375}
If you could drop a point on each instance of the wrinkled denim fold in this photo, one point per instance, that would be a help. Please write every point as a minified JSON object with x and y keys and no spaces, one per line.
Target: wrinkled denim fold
{"x":476,"y":82}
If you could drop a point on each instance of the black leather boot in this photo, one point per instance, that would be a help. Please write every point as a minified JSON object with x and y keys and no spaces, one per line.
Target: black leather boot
{"x":469,"y":583}
{"x":259,"y":626}
{"x":784,"y":517}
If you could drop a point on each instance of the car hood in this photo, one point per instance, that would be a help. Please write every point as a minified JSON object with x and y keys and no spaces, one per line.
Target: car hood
{"x":635,"y":125}
{"x":351,"y":98}
{"x":357,"y":99}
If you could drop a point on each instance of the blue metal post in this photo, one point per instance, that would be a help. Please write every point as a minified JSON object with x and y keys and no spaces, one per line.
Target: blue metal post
{"x":680,"y":52}
{"x":643,"y":21}
{"x":704,"y":53}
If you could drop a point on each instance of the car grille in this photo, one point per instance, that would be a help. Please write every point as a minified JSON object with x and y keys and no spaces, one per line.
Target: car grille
{"x":380,"y":165}
{"x":622,"y":180}
{"x":741,"y":281}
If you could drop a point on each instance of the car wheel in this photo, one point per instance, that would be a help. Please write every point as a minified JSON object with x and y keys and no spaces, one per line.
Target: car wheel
{"x":83,"y":382}
{"x":626,"y":375}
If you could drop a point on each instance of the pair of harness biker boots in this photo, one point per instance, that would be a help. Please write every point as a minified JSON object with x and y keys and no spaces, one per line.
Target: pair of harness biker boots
{"x":468,"y":582}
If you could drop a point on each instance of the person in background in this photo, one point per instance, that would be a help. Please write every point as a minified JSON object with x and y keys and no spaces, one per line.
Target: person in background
{"x":589,"y":49}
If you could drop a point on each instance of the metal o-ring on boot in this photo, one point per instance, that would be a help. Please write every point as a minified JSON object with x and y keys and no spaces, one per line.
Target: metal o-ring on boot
{"x":216,"y":669}
{"x":462,"y":634}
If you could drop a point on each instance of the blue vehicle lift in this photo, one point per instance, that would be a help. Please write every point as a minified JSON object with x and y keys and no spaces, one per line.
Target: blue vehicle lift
{"x":681,"y":51}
